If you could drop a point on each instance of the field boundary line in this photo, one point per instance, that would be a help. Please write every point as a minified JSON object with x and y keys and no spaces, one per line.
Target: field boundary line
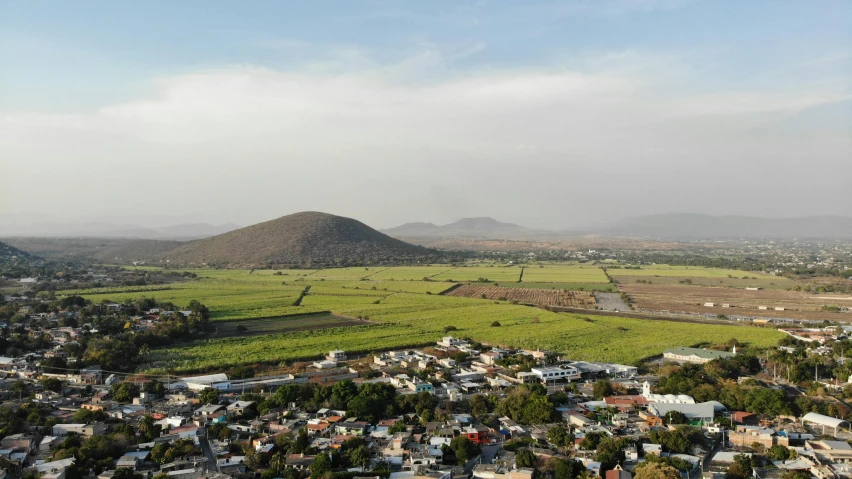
{"x":374,"y":272}
{"x":443,"y":271}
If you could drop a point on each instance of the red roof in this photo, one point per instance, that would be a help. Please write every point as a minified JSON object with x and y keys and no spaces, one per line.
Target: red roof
{"x":626,"y":400}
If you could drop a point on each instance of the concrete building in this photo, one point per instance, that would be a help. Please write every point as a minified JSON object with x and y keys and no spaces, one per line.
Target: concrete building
{"x":697,"y":355}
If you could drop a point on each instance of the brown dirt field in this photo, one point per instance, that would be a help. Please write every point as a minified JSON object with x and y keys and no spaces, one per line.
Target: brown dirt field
{"x":744,"y":303}
{"x":543,"y":297}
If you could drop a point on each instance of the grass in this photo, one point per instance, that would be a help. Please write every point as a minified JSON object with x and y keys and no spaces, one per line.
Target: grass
{"x":565,"y":274}
{"x":257,"y":327}
{"x":474,"y":273}
{"x":684,"y":271}
{"x":606,"y":287}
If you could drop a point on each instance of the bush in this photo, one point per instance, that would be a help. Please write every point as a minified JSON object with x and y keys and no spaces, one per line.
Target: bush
{"x":495,"y":324}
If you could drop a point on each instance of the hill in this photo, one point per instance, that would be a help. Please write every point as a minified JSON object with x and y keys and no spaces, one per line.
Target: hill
{"x":22,"y":226}
{"x":688,"y":225}
{"x":106,"y":250}
{"x":10,"y":254}
{"x":482,"y":227}
{"x":301,"y":238}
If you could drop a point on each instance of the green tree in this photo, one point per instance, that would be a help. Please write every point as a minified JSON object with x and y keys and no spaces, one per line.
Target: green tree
{"x":780,"y":453}
{"x":526,"y":458}
{"x":464,"y":449}
{"x":124,"y":392}
{"x":741,"y":468}
{"x":675,"y":417}
{"x":656,"y":470}
{"x":602,"y":388}
{"x":209,"y":396}
{"x":560,"y":437}
{"x":126,"y":473}
{"x":321,"y":465}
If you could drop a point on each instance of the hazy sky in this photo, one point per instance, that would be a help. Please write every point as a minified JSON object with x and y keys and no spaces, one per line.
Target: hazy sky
{"x":546,"y":114}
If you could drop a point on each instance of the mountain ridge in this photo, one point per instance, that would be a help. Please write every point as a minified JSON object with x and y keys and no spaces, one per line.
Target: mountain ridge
{"x":482,"y":226}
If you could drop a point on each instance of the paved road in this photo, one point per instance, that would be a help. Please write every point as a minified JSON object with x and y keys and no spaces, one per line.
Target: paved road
{"x":212,"y":465}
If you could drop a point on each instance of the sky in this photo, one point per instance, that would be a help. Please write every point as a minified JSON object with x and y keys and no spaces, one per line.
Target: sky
{"x":549,"y":114}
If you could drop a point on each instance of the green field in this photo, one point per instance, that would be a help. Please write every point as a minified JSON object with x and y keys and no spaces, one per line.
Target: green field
{"x":474,"y":273}
{"x":258,"y":327}
{"x":606,"y":287}
{"x":406,"y":323}
{"x":684,"y":271}
{"x":564,"y":274}
{"x":405,"y":313}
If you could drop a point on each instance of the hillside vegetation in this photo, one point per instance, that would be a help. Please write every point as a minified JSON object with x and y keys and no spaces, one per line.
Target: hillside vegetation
{"x":299,"y":239}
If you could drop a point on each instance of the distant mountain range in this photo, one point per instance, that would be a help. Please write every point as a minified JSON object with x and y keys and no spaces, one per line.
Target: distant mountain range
{"x":670,"y":226}
{"x":689,"y":225}
{"x":108,"y":230}
{"x":482,"y":227}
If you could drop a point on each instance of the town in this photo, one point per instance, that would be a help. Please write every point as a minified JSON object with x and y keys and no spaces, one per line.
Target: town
{"x":454,"y":409}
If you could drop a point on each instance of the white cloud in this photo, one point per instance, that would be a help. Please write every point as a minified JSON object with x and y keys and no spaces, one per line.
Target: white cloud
{"x":247,"y":143}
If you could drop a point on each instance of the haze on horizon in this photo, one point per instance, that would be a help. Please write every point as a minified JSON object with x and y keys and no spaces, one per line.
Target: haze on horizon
{"x":544,"y":114}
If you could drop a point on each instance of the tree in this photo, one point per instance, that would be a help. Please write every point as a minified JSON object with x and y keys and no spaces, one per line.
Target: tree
{"x":154,"y":387}
{"x":526,"y":458}
{"x":209,"y":396}
{"x":52,"y":384}
{"x":568,"y":469}
{"x":675,"y":417}
{"x":464,"y":449}
{"x":602,"y":388}
{"x":560,"y":437}
{"x":148,"y":430}
{"x":321,"y":465}
{"x":495,"y":324}
{"x":655,"y":470}
{"x":741,"y":468}
{"x":126,"y":473}
{"x":124,"y":391}
{"x":780,"y":453}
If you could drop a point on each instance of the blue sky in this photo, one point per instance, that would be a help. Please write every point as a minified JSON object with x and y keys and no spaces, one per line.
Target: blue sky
{"x":748,"y":72}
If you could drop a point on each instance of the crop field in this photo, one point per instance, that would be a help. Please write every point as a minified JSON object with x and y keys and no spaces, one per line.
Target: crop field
{"x":403,"y":322}
{"x":605,"y":287}
{"x":400,"y":313}
{"x":409,"y":273}
{"x":475,"y":273}
{"x":544,"y":297}
{"x":259,"y":327}
{"x":344,"y":273}
{"x":564,"y":274}
{"x":683,"y":271}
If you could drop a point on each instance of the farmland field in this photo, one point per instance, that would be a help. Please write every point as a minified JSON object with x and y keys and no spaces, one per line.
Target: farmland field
{"x":602,"y":338}
{"x":684,"y":271}
{"x":257,"y":327}
{"x":545,"y":297}
{"x":565,"y":274}
{"x":405,"y":312}
{"x":474,"y":273}
{"x":606,"y":287}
